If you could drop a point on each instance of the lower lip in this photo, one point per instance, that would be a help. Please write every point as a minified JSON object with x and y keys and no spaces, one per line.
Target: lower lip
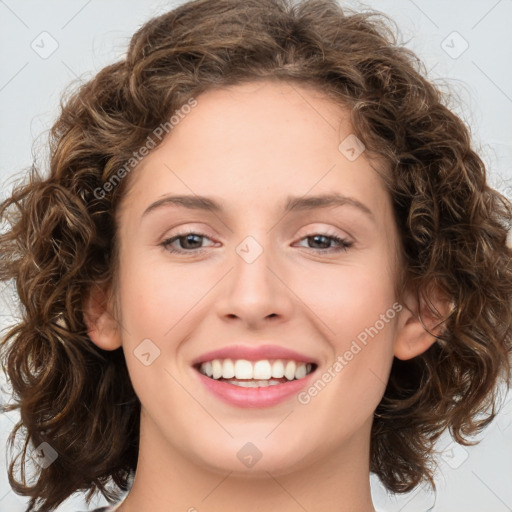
{"x":265,"y":396}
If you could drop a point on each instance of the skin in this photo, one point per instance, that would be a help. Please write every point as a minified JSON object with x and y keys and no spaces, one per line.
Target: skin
{"x":249,"y":147}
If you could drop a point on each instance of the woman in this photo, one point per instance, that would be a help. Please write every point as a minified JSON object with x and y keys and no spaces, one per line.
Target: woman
{"x":347,"y":301}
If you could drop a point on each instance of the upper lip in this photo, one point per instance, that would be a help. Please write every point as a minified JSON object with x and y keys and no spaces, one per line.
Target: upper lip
{"x":254,"y":353}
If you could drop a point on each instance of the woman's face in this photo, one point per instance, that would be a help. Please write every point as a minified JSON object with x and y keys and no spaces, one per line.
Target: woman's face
{"x":261,"y":283}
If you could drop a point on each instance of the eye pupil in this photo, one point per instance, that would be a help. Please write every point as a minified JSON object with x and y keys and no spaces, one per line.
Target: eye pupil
{"x":189,"y":239}
{"x":325,"y":244}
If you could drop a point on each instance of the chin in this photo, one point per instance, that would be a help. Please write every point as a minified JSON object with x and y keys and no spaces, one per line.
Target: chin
{"x":256,"y":458}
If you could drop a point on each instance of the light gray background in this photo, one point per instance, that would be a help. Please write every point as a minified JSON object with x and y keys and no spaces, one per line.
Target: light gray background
{"x":91,"y":34}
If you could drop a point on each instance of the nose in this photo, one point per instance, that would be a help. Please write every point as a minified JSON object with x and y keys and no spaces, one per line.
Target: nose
{"x":255,"y":292}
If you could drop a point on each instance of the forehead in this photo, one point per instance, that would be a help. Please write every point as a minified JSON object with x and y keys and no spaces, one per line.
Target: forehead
{"x":274,"y":103}
{"x":264,"y":137}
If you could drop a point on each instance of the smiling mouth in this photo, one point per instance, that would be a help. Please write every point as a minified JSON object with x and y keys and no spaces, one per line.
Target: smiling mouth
{"x":255,"y":374}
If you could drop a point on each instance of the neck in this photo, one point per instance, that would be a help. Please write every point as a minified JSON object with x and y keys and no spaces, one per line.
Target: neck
{"x":166,"y":481}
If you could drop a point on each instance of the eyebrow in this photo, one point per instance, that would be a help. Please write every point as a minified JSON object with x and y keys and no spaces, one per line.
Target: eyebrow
{"x":195,"y":202}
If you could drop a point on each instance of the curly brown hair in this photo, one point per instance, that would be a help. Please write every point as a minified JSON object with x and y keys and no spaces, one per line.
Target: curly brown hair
{"x":61,"y":238}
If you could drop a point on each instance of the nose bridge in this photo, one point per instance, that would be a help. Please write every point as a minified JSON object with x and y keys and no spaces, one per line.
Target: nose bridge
{"x":251,"y":273}
{"x":254,"y":292}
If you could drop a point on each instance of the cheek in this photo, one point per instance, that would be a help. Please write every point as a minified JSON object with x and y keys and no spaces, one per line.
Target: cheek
{"x":357,"y":312}
{"x":348,"y":298}
{"x":360,"y":319}
{"x":353,"y":380}
{"x":160,"y":303}
{"x":158,"y":297}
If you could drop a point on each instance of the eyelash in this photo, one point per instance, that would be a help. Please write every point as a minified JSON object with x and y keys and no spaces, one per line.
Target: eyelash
{"x":166,"y":244}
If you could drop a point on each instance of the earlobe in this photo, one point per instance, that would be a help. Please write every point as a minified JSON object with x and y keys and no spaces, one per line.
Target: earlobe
{"x":102,"y":327}
{"x":419,"y":325}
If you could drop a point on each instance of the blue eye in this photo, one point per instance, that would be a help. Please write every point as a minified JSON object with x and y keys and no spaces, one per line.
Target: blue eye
{"x":191,"y":243}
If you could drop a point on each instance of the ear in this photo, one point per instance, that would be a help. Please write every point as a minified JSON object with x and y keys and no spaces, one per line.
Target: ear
{"x":102,"y":327}
{"x":421,"y":320}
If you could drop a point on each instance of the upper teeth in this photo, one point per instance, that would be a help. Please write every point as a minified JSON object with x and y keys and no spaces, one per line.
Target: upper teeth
{"x":261,"y":370}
